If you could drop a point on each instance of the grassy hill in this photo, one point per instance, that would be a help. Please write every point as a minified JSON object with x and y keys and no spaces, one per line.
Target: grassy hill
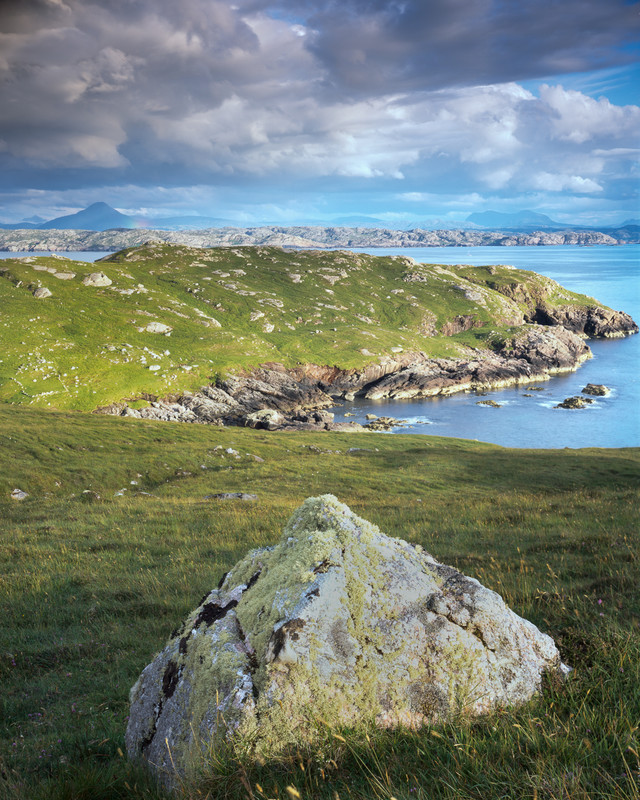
{"x":117,"y":541}
{"x":230,"y":308}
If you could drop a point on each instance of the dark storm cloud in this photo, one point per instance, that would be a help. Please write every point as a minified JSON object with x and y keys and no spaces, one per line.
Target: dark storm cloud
{"x":376,"y":46}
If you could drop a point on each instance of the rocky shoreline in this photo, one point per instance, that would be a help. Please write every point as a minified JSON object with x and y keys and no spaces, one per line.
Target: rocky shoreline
{"x":274,"y":397}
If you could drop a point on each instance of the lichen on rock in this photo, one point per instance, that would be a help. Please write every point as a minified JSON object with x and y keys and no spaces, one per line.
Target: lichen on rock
{"x":335,"y":622}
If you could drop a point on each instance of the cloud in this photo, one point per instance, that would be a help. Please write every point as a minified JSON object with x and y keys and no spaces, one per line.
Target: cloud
{"x":416,"y":98}
{"x":373,"y":46}
{"x":560,"y":183}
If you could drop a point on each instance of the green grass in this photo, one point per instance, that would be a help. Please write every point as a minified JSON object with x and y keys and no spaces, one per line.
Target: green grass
{"x":86,"y":346}
{"x":91,"y":588}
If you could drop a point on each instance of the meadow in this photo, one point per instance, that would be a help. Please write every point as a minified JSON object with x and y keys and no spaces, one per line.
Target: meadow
{"x":117,"y":542}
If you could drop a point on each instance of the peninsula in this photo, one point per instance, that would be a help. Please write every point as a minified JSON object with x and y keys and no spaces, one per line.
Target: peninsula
{"x":269,"y":338}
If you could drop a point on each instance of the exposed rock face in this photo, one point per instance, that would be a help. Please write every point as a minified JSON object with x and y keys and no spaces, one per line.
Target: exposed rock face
{"x":534,"y":355}
{"x":595,"y":321}
{"x":339,"y":622}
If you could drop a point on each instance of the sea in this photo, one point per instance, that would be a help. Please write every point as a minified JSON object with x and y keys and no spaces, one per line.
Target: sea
{"x":611,"y":274}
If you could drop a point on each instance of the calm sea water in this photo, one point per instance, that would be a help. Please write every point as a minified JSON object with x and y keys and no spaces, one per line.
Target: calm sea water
{"x":611,"y":275}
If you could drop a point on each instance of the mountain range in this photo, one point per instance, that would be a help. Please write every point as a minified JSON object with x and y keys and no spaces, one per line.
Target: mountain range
{"x":102,"y":217}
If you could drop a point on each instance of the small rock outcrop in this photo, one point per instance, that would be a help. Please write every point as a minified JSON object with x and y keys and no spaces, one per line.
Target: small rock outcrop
{"x":157,"y":327}
{"x":335,"y":622}
{"x":596,"y":389}
{"x":42,"y":293}
{"x":97,"y":279}
{"x":574,"y":402}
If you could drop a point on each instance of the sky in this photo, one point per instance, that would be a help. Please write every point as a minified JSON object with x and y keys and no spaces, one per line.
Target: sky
{"x":289,"y":111}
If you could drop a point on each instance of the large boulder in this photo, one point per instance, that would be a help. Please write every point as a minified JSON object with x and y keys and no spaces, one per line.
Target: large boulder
{"x":336,"y":622}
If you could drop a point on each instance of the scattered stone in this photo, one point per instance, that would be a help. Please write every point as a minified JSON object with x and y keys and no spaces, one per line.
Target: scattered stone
{"x":597,"y":389}
{"x":535,"y":388}
{"x":490,"y":403}
{"x":157,"y":327}
{"x":268,"y":327}
{"x":340,"y":623}
{"x":64,"y":276}
{"x":41,"y":293}
{"x":231,"y":496}
{"x":574,"y":402}
{"x":366,"y":352}
{"x":18,"y":494}
{"x":371,"y":416}
{"x":97,"y":279}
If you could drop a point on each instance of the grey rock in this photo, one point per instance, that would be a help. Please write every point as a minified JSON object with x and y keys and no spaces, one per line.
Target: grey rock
{"x":97,"y":279}
{"x":18,"y":494}
{"x":157,"y":327}
{"x":42,"y":293}
{"x":337,"y":622}
{"x":231,"y":496}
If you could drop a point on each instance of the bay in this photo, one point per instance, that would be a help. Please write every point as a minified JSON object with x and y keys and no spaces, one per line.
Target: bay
{"x":612,"y":276}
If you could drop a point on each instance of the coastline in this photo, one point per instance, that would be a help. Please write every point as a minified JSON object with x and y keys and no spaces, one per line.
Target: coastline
{"x":276,"y":398}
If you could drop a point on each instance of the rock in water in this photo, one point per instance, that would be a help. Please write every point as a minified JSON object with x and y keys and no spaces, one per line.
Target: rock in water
{"x":339,"y":622}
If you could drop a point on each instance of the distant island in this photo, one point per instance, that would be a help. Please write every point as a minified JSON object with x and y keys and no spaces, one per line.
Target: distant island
{"x":305,"y":237}
{"x":99,"y":227}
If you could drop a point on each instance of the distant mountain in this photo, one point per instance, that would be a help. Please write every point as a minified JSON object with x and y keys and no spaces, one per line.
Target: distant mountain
{"x":96,"y":217}
{"x":521,"y":219}
{"x":628,"y":222}
{"x":102,"y":217}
